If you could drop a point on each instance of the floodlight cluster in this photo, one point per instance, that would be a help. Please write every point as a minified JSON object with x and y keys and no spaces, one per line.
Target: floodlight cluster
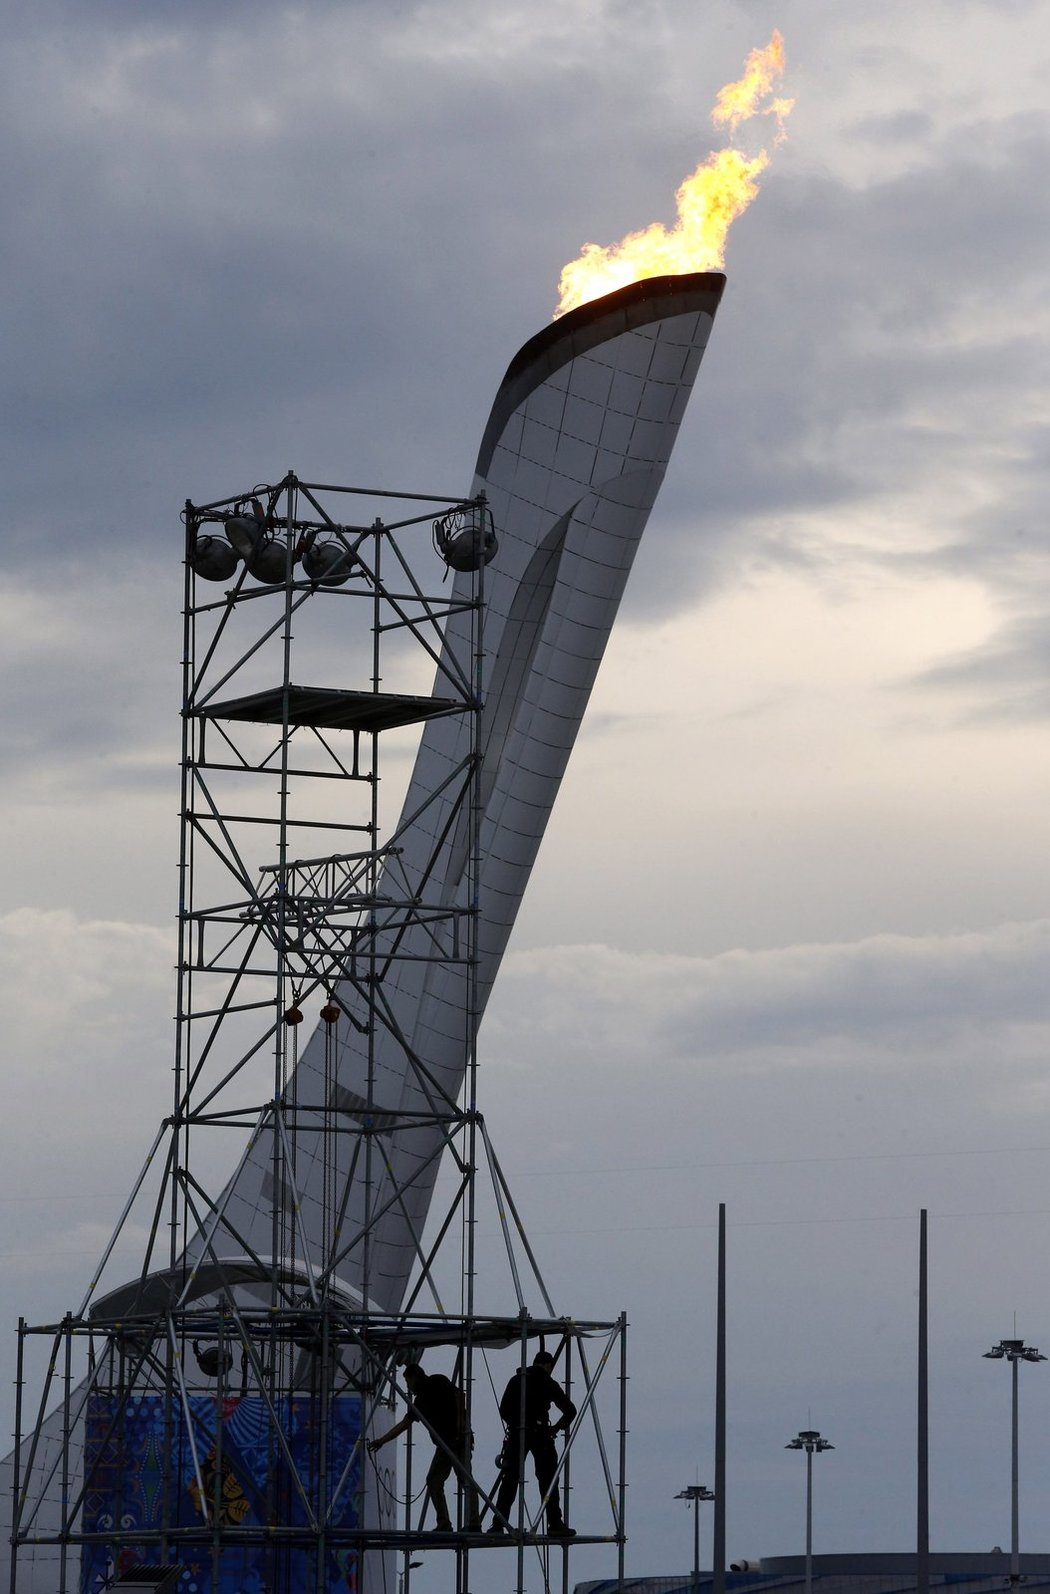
{"x":325,"y":553}
{"x":464,"y":537}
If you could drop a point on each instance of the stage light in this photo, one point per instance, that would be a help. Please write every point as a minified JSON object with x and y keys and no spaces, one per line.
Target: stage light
{"x":465,"y":537}
{"x":269,"y":562}
{"x":243,"y":534}
{"x":265,"y":554}
{"x":327,"y":560}
{"x":211,"y":1360}
{"x":211,"y":558}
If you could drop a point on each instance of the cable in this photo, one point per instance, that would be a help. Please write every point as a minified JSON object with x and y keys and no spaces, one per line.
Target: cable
{"x":392,"y":1494}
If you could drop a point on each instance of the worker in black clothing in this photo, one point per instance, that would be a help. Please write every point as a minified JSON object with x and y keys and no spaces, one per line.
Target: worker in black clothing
{"x":525,"y":1409}
{"x":435,"y":1401}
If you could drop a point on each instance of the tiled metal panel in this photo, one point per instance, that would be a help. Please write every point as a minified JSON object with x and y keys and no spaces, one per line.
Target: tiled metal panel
{"x":573,"y":455}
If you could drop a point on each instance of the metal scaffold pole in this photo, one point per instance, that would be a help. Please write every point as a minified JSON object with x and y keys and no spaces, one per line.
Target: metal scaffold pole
{"x":217,"y":1407}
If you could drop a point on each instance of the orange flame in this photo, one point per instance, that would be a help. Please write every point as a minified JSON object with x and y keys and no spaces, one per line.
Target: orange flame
{"x":708,"y":201}
{"x":738,"y":102}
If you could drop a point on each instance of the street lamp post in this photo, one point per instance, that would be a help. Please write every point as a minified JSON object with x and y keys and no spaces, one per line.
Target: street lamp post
{"x":695,"y":1493}
{"x":809,"y":1440}
{"x":1015,"y":1351}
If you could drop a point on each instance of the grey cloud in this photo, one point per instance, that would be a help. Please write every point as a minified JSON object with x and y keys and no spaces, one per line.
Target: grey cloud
{"x":899,"y":127}
{"x":83,"y":679}
{"x":235,"y":260}
{"x":1009,"y":678}
{"x":787,"y":1003}
{"x":220,"y":290}
{"x":874,"y":993}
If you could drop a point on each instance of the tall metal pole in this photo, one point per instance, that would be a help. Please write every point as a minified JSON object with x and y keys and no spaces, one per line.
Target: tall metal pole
{"x":922,"y":1512}
{"x":809,"y":1520}
{"x":810,"y":1441}
{"x":1015,"y":1351}
{"x":1015,"y":1535}
{"x":718,"y":1553}
{"x":695,"y":1494}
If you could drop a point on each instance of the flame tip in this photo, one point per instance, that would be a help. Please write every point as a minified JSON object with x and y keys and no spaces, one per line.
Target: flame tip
{"x":708,"y":201}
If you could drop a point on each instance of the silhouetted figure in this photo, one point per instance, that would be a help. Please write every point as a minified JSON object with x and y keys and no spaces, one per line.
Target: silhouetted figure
{"x":525,"y":1409}
{"x":435,"y":1401}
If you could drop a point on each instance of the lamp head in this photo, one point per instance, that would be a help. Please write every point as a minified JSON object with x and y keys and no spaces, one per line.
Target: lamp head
{"x":252,"y":536}
{"x":809,"y":1439}
{"x":269,"y":562}
{"x":1015,"y":1350}
{"x":465,"y":537}
{"x":211,"y":558}
{"x":243,"y":534}
{"x":211,"y":1359}
{"x":327,"y":561}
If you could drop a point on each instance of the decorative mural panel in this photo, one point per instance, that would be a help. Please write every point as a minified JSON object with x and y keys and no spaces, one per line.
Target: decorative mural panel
{"x":146,"y":1463}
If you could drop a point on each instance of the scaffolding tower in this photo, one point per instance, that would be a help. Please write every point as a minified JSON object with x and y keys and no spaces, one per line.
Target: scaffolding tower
{"x":205,"y":1424}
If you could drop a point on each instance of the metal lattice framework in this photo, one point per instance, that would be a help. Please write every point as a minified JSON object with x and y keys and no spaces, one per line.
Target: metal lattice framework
{"x":329,"y":920}
{"x":224,"y":1360}
{"x":224,"y":1393}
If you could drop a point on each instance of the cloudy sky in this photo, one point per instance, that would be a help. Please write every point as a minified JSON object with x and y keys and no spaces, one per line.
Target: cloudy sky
{"x":787,"y":943}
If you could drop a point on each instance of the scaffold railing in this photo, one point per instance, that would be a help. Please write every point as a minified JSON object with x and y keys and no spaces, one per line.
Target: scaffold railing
{"x":210,"y":1414}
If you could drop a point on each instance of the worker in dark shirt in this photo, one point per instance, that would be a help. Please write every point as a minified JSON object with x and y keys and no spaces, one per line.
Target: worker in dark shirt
{"x":435,"y":1401}
{"x":525,"y":1409}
